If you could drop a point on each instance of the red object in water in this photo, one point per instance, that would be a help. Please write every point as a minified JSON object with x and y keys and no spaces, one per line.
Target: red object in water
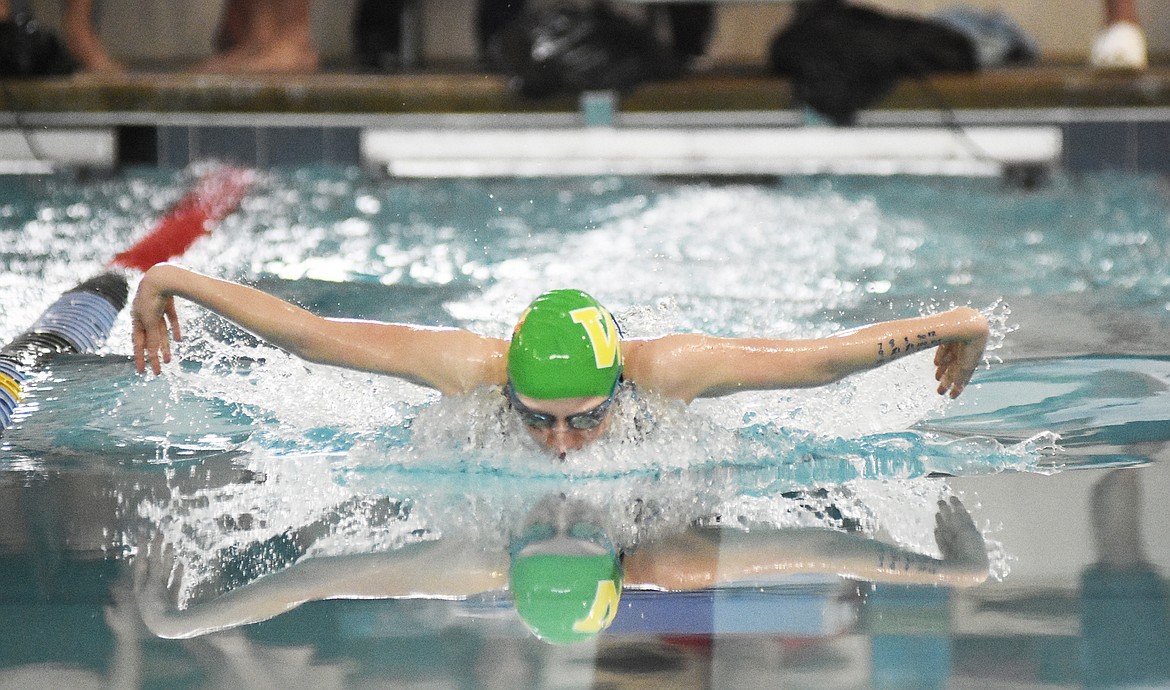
{"x":216,"y":195}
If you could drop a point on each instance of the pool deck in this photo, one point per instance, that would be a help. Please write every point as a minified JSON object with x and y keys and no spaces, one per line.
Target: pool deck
{"x":470,"y":92}
{"x":1127,"y":114}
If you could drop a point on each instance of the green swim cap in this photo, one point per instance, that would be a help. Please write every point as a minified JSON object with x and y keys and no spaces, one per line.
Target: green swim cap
{"x":565,"y":599}
{"x":566,"y":345}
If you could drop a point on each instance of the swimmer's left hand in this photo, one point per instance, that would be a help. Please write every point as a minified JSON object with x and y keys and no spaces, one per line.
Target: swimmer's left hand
{"x":956,"y":361}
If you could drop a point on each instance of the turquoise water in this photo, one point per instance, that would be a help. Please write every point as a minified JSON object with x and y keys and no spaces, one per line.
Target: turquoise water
{"x":238,"y":444}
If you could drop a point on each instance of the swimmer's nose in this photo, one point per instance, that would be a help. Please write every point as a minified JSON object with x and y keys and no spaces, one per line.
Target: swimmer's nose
{"x":563,"y":439}
{"x":561,"y":443}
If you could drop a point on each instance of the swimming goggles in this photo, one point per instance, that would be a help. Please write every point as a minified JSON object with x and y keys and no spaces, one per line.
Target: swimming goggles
{"x":582,"y":421}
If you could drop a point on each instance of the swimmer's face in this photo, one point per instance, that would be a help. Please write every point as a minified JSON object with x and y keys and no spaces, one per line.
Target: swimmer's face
{"x":557,"y":430}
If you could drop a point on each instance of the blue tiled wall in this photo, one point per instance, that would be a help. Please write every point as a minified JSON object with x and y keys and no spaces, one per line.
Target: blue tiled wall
{"x":1118,"y":146}
{"x":1124,"y":146}
{"x":177,"y":146}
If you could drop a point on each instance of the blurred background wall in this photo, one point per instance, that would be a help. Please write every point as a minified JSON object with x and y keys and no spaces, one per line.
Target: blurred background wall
{"x":170,"y":34}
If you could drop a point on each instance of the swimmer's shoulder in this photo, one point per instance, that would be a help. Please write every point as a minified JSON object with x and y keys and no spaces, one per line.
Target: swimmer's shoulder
{"x":462,"y":362}
{"x":661,"y":364}
{"x":637,"y":359}
{"x":490,"y":362}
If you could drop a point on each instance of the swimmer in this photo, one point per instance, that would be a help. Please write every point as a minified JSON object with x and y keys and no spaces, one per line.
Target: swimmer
{"x":564,"y":573}
{"x":566,"y":360}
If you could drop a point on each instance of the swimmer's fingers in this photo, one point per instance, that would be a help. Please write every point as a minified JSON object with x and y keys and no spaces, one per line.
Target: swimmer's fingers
{"x":943,"y":355}
{"x":172,"y":317}
{"x":142,"y":563}
{"x":944,"y":362}
{"x":121,"y":614}
{"x":951,"y":518}
{"x":153,"y":568}
{"x":944,"y":531}
{"x":153,"y":315}
{"x":138,"y":337}
{"x":163,"y":343}
{"x":141,"y":568}
{"x":955,"y":363}
{"x":952,"y":512}
{"x":949,"y":374}
{"x":145,"y":350}
{"x":151,"y":335}
{"x":153,"y":565}
{"x":150,"y":347}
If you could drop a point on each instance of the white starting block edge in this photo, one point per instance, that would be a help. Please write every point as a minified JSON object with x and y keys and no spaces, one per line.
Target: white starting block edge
{"x":551,"y":152}
{"x":38,"y":150}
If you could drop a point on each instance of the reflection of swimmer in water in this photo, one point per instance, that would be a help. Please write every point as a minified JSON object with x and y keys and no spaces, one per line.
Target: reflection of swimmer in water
{"x":564,"y":573}
{"x":566,"y":356}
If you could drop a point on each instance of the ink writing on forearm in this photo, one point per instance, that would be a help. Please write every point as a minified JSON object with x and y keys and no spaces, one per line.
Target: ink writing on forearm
{"x":894,"y":348}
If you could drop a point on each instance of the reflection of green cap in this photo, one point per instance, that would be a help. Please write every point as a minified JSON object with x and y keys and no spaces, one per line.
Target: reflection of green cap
{"x":566,"y":598}
{"x":566,"y":345}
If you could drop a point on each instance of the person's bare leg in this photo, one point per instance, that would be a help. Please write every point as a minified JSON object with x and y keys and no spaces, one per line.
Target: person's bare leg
{"x":279,"y":40}
{"x":1122,"y":44}
{"x":234,"y":36}
{"x":82,"y":40}
{"x":5,"y":11}
{"x":288,"y":43}
{"x":1121,"y":11}
{"x":233,"y":28}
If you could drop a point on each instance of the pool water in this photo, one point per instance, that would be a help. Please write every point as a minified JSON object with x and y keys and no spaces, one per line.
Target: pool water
{"x":1059,"y":449}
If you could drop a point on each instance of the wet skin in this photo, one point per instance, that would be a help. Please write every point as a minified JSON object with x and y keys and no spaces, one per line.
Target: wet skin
{"x":562,"y":438}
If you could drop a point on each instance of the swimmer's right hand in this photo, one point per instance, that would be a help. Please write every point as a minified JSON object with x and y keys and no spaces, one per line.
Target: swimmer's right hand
{"x":154,"y":321}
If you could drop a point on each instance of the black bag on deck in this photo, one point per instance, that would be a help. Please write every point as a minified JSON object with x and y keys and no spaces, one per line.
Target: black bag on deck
{"x":27,"y":50}
{"x":842,"y":58}
{"x":570,"y":50}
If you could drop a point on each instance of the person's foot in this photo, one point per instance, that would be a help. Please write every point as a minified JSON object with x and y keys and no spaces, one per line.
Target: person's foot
{"x":279,"y":58}
{"x":98,"y":62}
{"x":1121,"y":45}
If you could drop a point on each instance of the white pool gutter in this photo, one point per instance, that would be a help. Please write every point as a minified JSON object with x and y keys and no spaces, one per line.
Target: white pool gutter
{"x":545,"y":152}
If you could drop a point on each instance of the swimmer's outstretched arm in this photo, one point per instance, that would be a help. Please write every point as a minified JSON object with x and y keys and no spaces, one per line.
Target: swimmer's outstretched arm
{"x":432,"y":569}
{"x":703,"y":558}
{"x":449,"y":360}
{"x":688,"y":366}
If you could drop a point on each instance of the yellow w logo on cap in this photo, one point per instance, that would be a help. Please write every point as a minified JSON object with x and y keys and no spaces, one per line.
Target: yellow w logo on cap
{"x":603,"y":610}
{"x":602,"y":332}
